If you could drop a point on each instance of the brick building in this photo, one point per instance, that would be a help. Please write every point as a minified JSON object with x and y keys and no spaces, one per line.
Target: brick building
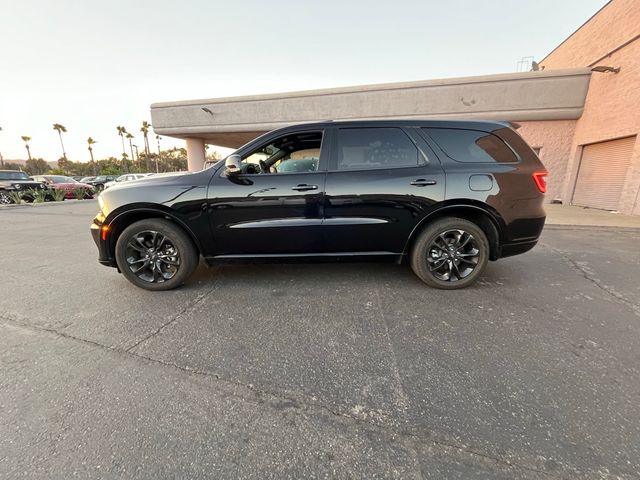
{"x":595,"y":160}
{"x":580,"y":111}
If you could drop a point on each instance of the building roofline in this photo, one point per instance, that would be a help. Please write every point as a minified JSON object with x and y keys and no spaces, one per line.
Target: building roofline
{"x":576,"y":31}
{"x":500,"y":77}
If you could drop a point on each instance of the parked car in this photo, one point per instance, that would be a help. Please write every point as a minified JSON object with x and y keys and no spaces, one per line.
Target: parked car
{"x":128,"y":177}
{"x":17,"y":181}
{"x":446,"y":196}
{"x":87,"y":180}
{"x":99,"y":181}
{"x":68,"y":184}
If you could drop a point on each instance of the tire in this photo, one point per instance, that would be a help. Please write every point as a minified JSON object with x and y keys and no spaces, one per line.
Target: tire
{"x":450,"y":254}
{"x":159,"y":264}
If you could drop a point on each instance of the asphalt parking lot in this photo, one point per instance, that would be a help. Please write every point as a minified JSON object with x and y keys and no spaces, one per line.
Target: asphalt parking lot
{"x":317,"y":371}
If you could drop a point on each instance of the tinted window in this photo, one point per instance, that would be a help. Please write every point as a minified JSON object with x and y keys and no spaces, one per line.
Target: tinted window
{"x":13,"y":176}
{"x":472,"y":146}
{"x":364,"y":148}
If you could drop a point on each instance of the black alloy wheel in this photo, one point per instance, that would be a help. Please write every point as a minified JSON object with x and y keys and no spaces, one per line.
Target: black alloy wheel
{"x":450,"y":254}
{"x":453,"y":255}
{"x":155,"y":254}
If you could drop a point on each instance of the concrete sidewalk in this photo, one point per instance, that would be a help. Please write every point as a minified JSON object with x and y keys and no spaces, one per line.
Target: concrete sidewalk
{"x":581,"y":216}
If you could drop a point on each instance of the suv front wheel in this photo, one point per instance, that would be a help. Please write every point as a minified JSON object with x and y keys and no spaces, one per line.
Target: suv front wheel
{"x":451,"y":253}
{"x":155,"y":254}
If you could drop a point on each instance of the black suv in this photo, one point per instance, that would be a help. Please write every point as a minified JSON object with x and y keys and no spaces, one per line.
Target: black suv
{"x":18,"y":182}
{"x":446,"y":195}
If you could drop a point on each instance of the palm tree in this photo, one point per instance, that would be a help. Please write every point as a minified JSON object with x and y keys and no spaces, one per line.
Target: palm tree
{"x":26,"y":141}
{"x":145,"y":132}
{"x":61,"y":129}
{"x":91,"y":141}
{"x":130,"y":137}
{"x":122,"y":131}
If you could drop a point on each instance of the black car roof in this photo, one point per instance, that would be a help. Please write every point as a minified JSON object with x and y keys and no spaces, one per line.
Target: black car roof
{"x":434,"y":123}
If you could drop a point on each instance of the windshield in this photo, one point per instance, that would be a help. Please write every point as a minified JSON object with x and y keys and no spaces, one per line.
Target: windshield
{"x":14,"y":176}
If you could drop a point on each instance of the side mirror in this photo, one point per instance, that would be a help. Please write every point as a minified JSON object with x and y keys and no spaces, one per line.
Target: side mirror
{"x":232,"y":165}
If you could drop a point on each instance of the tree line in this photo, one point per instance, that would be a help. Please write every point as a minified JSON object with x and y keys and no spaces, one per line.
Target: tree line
{"x":146,"y":161}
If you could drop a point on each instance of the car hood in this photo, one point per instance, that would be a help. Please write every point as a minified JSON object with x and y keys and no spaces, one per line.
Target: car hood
{"x":157,"y":179}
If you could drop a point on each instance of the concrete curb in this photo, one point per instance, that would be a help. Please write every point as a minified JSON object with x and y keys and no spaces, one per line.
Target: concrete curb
{"x":590,"y":227}
{"x":45,"y":204}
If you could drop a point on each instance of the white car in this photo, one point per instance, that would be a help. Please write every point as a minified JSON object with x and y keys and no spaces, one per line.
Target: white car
{"x":127,"y":177}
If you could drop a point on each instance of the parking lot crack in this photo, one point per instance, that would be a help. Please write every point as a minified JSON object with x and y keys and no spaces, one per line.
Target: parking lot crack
{"x":16,"y":323}
{"x":402,"y":401}
{"x":280,"y":401}
{"x":189,"y":308}
{"x":587,"y":274}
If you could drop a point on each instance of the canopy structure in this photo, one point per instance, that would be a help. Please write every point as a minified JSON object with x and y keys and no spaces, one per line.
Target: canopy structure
{"x":232,"y":121}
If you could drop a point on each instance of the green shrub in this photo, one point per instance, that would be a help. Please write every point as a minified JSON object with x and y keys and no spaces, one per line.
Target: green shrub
{"x":38,"y":195}
{"x":58,"y":194}
{"x":16,"y":197}
{"x":79,"y":193}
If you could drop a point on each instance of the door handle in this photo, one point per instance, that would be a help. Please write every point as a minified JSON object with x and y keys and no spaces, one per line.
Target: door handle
{"x":421,"y":182}
{"x":303,"y":187}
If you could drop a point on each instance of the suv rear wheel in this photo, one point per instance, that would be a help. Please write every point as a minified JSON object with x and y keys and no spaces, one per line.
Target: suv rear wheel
{"x":155,"y":254}
{"x":451,"y":253}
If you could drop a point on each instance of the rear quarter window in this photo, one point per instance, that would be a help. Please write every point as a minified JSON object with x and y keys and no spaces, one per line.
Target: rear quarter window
{"x":472,"y":146}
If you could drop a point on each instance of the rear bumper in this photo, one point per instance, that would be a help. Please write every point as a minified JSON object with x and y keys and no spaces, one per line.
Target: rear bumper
{"x":511,"y":249}
{"x":522,"y":236}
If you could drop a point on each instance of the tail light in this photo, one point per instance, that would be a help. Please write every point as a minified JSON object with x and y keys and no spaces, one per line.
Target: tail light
{"x":540,"y":179}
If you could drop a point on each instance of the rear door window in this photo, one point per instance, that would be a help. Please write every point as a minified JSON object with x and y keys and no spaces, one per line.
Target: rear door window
{"x":472,"y":146}
{"x":367,"y":148}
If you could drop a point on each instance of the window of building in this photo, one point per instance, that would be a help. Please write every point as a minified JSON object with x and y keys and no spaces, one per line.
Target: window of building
{"x":365,"y":148}
{"x":472,"y":146}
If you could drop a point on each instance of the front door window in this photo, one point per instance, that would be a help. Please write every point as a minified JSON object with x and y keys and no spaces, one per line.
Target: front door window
{"x":292,"y":153}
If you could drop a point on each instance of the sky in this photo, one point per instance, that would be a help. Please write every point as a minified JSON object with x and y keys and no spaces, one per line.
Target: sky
{"x":93,"y":65}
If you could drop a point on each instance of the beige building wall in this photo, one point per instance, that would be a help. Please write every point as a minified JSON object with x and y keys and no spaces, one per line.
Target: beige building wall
{"x":612,"y":107}
{"x":554,"y":140}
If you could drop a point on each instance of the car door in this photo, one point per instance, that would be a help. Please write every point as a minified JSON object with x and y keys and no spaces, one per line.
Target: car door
{"x":278,"y":213}
{"x":381,"y":182}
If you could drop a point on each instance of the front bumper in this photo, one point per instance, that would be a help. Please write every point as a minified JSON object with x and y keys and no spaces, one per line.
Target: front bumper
{"x":104,"y":251}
